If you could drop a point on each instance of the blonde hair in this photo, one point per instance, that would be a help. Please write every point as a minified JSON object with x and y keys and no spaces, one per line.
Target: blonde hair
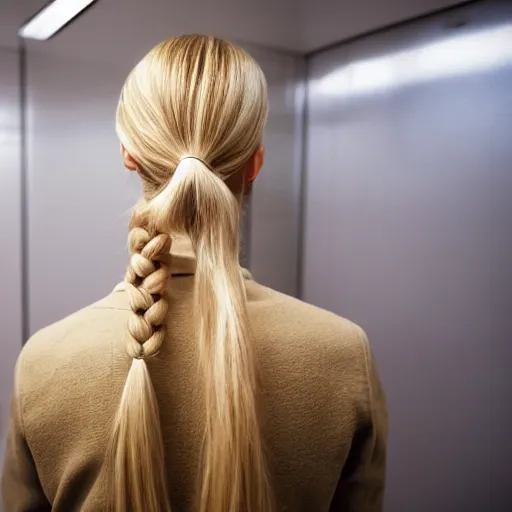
{"x":191,"y":114}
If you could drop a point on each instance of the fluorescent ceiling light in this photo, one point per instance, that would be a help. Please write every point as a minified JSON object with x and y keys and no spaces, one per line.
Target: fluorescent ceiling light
{"x":458,"y":55}
{"x":52,"y":18}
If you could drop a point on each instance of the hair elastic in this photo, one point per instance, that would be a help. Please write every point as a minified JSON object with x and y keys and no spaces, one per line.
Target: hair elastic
{"x":198,"y":159}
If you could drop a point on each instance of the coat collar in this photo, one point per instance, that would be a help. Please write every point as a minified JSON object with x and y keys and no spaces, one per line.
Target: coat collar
{"x":183,"y":260}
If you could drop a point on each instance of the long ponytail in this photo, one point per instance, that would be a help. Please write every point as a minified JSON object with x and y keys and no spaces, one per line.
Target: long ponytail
{"x":197,"y":202}
{"x":191,"y":100}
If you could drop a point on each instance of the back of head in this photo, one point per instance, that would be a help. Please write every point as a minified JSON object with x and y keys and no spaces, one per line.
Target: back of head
{"x":192,"y":95}
{"x":191,"y":115}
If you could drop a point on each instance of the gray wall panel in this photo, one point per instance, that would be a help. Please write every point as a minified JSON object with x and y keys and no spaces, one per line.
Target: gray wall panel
{"x":275,"y":203}
{"x":79,"y":194}
{"x":10,"y":228}
{"x":408,"y":217}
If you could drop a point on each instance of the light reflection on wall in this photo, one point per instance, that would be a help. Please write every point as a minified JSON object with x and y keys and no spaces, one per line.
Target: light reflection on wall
{"x":458,"y":55}
{"x":8,"y":125}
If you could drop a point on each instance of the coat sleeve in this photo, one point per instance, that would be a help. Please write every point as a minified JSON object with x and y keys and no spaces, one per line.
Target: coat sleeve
{"x":20,"y":487}
{"x":362,"y":481}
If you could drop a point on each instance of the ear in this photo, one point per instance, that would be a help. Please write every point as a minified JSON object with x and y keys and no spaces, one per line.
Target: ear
{"x":254,"y":165}
{"x":128,"y":161}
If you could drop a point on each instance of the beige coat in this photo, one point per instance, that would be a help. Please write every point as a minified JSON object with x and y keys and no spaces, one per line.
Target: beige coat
{"x":326,"y":418}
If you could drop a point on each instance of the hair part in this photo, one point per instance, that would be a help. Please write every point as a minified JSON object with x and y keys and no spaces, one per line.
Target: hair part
{"x":202,"y":97}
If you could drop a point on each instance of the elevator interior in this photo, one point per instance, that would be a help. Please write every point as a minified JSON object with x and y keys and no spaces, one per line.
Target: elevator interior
{"x":385,"y":198}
